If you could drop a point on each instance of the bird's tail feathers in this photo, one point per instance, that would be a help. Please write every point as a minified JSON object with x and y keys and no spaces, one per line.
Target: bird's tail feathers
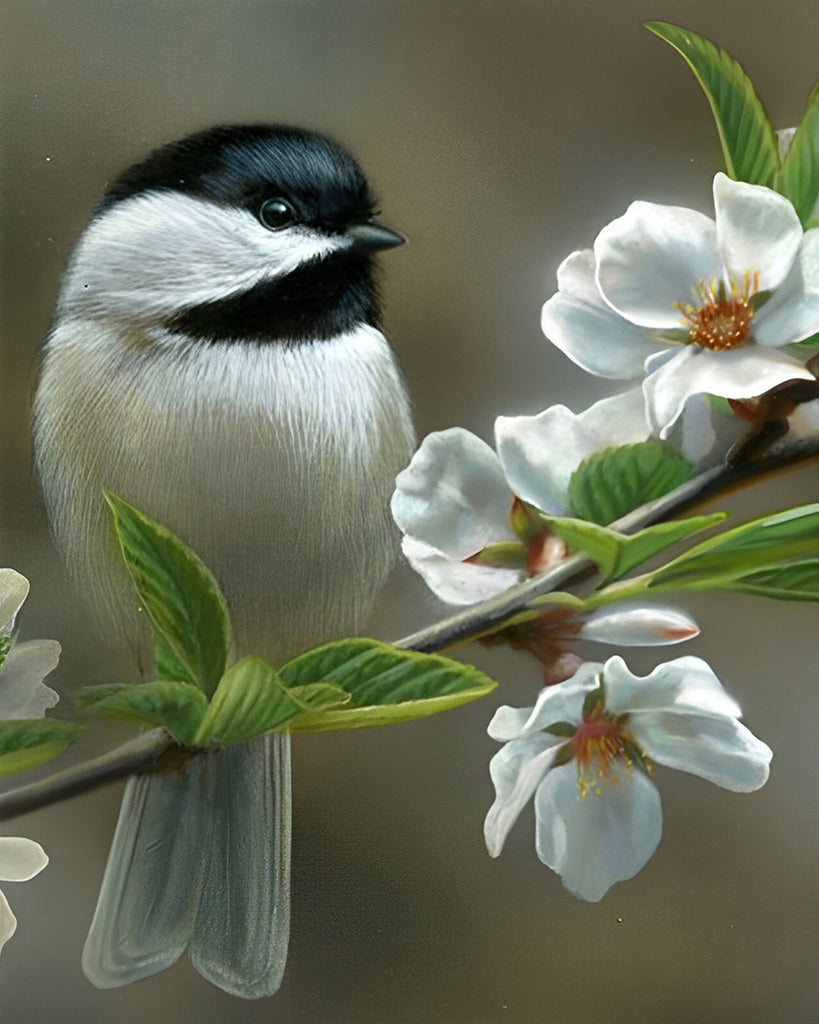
{"x":201,"y":860}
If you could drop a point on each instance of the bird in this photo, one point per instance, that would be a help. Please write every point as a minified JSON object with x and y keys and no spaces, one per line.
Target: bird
{"x":216,"y":358}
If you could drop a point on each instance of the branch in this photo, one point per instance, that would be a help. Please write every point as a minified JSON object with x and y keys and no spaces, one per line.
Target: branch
{"x":135,"y":755}
{"x":144,"y":752}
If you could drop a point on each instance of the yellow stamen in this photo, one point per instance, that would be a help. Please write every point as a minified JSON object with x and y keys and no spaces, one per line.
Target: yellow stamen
{"x":720,"y":319}
{"x":600,"y":739}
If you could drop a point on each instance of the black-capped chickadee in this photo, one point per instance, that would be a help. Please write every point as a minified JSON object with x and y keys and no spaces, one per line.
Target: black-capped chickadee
{"x":216,"y":360}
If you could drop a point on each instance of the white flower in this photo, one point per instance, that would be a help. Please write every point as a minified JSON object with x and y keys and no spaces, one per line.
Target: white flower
{"x":454,"y":498}
{"x":20,"y":860}
{"x":700,"y":306}
{"x":22,"y":691}
{"x":23,"y":666}
{"x":584,"y":752}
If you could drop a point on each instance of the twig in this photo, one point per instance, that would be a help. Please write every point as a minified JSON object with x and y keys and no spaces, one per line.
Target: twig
{"x":135,"y":755}
{"x":144,"y":751}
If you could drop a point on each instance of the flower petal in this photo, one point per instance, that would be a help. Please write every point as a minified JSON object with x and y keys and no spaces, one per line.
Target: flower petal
{"x":22,"y":693}
{"x":20,"y":859}
{"x":738,"y":373}
{"x":8,"y":922}
{"x":636,"y":625}
{"x":454,"y":581}
{"x":651,"y":258}
{"x":560,"y":703}
{"x":758,"y":230}
{"x":721,"y":750}
{"x":578,"y":322}
{"x":540,"y":453}
{"x":516,"y":771}
{"x":453,"y":495}
{"x":784,"y":138}
{"x":681,"y":686}
{"x":595,"y":841}
{"x":14,"y":589}
{"x":792,"y":312}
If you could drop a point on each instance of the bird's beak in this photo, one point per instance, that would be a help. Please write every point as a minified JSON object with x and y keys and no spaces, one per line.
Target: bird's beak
{"x":369,"y":236}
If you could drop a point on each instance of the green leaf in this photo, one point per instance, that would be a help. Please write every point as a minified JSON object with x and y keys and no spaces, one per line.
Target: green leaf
{"x":765,"y":543}
{"x":798,"y":180}
{"x":748,"y":140}
{"x":5,"y":647}
{"x":386,"y":685}
{"x":615,"y":481}
{"x":616,"y":553}
{"x":319,"y":696}
{"x":249,"y":700}
{"x":166,"y":664}
{"x":179,"y":594}
{"x":28,"y":742}
{"x":798,"y":581}
{"x":176,"y":706}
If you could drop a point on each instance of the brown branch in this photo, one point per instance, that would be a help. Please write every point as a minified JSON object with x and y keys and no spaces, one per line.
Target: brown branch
{"x":144,"y":752}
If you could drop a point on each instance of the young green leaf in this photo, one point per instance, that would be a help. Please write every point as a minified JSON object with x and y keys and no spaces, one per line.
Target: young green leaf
{"x":166,"y":664}
{"x":615,"y":481}
{"x":28,"y":742}
{"x":798,"y":581}
{"x":766,"y":543}
{"x":616,"y":553}
{"x":179,"y":594}
{"x":177,"y":707}
{"x":798,"y":180}
{"x":249,"y":700}
{"x":386,"y":685}
{"x":748,"y":140}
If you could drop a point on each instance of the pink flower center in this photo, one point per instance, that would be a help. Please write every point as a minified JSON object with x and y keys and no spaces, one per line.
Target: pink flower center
{"x":720,"y":318}
{"x":600,"y":740}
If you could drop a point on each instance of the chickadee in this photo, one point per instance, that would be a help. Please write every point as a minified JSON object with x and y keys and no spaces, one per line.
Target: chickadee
{"x":216,"y":360}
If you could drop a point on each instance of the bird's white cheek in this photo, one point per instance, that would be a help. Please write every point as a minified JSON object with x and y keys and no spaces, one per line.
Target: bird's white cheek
{"x":148,"y":258}
{"x":281,"y":252}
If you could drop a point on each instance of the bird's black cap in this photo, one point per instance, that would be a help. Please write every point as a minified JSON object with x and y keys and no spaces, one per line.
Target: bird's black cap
{"x":243,"y":165}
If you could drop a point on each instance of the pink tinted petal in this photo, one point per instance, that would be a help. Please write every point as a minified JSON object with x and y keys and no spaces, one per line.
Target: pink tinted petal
{"x":633,"y":625}
{"x":792,"y":312}
{"x":516,"y":772}
{"x":22,"y":691}
{"x":578,"y":322}
{"x":8,"y":922}
{"x":594,"y":841}
{"x":454,"y":581}
{"x":738,"y":373}
{"x":680,"y":686}
{"x":453,"y":495}
{"x":718,"y":749}
{"x":651,"y":258}
{"x":20,"y":859}
{"x":757,"y":230}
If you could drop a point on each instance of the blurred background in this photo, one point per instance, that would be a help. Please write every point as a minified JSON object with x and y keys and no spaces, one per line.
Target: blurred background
{"x":501,"y":135}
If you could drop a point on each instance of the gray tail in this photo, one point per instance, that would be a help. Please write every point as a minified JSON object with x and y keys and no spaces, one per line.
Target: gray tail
{"x":200,"y":860}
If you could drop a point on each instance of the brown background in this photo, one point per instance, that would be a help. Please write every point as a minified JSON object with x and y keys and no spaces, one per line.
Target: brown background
{"x":501,"y":135}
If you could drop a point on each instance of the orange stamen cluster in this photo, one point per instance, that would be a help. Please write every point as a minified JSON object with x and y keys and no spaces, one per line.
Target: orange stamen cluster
{"x":720,"y":318}
{"x":600,"y":739}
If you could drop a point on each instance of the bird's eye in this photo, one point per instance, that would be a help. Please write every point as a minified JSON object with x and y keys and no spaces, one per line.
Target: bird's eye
{"x":277,"y":214}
